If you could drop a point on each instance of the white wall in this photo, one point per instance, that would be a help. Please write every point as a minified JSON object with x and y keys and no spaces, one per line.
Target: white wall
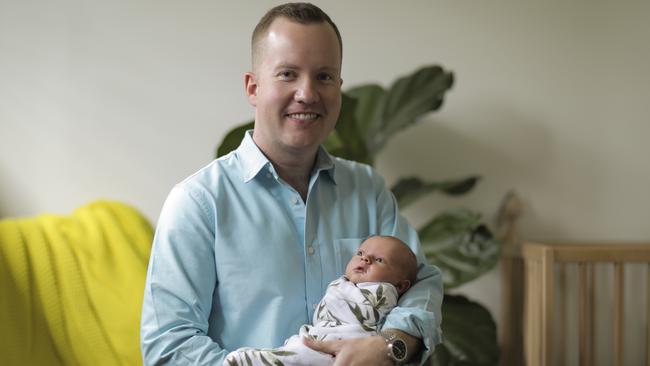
{"x":122,"y":99}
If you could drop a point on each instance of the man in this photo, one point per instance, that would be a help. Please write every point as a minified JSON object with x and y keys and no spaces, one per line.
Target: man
{"x":245,"y":247}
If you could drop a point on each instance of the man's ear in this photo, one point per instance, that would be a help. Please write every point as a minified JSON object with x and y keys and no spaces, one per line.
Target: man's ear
{"x":402,"y":286}
{"x":250,"y":84}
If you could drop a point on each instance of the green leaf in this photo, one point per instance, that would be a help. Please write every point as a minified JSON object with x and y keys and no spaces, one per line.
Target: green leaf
{"x":233,"y":138}
{"x":460,"y":245}
{"x":410,"y":189}
{"x":370,"y":104}
{"x":321,"y":306}
{"x":282,"y":353}
{"x":357,"y":313}
{"x":264,"y":360}
{"x":408,"y":99}
{"x":347,"y":141}
{"x":366,"y":293}
{"x":469,"y":334}
{"x":380,"y":292}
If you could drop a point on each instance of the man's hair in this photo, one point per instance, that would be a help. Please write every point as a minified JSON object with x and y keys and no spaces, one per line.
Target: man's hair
{"x":303,"y":13}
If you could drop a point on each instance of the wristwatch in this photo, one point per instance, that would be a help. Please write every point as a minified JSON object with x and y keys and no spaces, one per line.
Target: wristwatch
{"x":397,"y":350}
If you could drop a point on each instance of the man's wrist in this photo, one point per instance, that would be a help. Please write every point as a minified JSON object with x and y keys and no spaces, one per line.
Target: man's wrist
{"x":413,"y":344}
{"x":396,"y":348}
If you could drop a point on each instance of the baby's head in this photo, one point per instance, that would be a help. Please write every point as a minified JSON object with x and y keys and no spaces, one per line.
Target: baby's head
{"x":383,"y":259}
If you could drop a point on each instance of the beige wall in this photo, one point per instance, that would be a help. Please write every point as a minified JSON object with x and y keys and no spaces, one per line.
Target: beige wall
{"x":121,"y":99}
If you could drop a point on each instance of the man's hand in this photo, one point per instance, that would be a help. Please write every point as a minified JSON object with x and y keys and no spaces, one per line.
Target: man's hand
{"x":369,"y":351}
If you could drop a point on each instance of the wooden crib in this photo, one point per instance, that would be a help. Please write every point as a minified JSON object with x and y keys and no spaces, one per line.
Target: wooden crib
{"x":555,"y":273}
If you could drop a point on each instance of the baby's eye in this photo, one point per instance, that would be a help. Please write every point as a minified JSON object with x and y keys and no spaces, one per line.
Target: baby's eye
{"x":359,"y":253}
{"x":379,"y":260}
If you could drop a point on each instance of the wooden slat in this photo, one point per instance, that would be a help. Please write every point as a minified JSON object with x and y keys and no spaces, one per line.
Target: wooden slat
{"x":548,"y":303}
{"x":512,"y":300}
{"x":647,"y":317}
{"x":563,"y":315}
{"x":592,"y":311}
{"x":583,"y":322}
{"x":618,"y":314}
{"x":531,"y":328}
{"x":595,"y":252}
{"x":536,"y":319}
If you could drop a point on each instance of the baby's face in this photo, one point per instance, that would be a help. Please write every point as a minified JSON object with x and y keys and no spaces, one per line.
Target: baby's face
{"x":377,"y":260}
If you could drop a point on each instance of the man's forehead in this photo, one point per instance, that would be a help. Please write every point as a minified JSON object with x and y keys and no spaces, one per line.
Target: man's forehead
{"x":288,"y":44}
{"x":282,"y":25}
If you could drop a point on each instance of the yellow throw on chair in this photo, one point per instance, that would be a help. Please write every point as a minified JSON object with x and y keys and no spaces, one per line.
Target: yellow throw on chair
{"x":71,"y":287}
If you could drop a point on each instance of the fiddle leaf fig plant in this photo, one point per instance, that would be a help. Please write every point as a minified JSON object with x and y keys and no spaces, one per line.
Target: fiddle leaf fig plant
{"x":454,"y":240}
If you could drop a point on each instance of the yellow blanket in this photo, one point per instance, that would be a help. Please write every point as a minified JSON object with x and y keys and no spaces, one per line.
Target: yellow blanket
{"x":71,"y":287}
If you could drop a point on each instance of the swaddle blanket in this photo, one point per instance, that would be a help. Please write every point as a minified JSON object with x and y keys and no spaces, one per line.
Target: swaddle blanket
{"x":346,"y":311}
{"x":71,"y":287}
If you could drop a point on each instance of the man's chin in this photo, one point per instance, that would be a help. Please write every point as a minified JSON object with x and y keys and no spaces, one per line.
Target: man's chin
{"x":303,"y":141}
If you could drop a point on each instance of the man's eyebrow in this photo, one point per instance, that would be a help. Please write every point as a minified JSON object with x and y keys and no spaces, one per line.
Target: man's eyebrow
{"x":286,"y":66}
{"x":291,"y":66}
{"x":330,"y":70}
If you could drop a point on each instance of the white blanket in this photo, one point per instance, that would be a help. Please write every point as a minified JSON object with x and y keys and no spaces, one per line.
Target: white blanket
{"x":346,"y":311}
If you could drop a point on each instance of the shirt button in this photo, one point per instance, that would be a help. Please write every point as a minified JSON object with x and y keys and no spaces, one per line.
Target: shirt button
{"x":268,"y":175}
{"x":310,"y":250}
{"x":294,"y":200}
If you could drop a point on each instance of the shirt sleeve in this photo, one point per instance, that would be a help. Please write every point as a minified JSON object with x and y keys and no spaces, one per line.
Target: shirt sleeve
{"x":180,"y":283}
{"x":418,"y":311}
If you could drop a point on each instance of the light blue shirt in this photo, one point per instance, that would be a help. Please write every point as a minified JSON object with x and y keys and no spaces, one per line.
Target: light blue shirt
{"x":239,"y":259}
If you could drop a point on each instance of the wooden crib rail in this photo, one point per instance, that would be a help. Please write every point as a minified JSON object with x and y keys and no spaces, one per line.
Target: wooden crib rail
{"x":541,"y":279}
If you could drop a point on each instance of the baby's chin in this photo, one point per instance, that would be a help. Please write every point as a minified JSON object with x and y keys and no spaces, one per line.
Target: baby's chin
{"x":355,"y":278}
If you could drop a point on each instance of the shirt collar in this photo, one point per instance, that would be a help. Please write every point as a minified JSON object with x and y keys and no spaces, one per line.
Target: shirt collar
{"x":254,"y":161}
{"x":324,"y":162}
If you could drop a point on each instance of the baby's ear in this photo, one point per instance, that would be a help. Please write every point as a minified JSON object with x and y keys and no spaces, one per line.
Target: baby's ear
{"x":403,"y":286}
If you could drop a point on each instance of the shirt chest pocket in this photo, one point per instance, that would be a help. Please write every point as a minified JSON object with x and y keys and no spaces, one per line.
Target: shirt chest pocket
{"x":344,"y":249}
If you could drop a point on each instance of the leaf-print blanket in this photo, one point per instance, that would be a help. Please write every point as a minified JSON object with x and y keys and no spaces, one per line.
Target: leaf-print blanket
{"x":346,"y":311}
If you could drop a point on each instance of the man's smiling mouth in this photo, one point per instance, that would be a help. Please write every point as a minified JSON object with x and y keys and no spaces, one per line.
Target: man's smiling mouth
{"x":303,"y":116}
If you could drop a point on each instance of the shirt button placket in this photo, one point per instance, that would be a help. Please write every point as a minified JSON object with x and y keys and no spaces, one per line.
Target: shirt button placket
{"x":295,"y":200}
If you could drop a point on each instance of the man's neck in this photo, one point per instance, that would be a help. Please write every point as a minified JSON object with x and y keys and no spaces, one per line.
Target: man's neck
{"x":296,"y":174}
{"x":294,"y":167}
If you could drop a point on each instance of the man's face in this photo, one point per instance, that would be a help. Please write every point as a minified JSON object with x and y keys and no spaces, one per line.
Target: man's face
{"x":295,"y":87}
{"x":378,"y":259}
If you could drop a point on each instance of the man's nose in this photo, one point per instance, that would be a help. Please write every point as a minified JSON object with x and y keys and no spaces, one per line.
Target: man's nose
{"x":307,"y":92}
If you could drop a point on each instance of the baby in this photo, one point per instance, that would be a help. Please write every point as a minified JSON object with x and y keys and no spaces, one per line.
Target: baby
{"x":354,"y":305}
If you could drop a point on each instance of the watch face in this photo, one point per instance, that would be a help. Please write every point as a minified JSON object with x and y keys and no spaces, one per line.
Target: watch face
{"x":399,"y":349}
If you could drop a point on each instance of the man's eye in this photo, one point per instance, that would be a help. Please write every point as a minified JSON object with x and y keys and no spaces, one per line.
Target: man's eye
{"x":286,"y":74}
{"x":325,"y":77}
